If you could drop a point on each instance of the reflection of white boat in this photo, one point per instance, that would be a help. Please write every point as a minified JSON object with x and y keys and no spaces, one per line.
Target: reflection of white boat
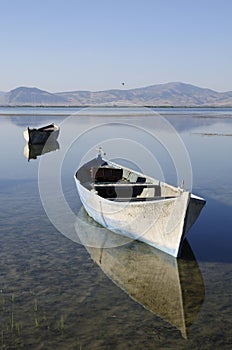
{"x":173,"y":289}
{"x":136,"y":205}
{"x":33,"y":151}
{"x":48,"y":133}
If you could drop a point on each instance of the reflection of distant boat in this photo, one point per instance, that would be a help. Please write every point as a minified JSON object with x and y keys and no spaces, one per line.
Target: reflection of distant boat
{"x":33,"y":151}
{"x":173,"y":289}
{"x":48,"y":133}
{"x":136,"y":205}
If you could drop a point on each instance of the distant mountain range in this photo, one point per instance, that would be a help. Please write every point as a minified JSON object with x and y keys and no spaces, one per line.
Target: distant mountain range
{"x":170,"y":94}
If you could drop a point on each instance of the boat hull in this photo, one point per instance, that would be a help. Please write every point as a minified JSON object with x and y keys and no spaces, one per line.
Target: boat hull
{"x":162,"y":224}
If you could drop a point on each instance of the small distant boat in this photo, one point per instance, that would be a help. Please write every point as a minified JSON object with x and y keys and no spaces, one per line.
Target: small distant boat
{"x":137,"y":206}
{"x":48,"y":133}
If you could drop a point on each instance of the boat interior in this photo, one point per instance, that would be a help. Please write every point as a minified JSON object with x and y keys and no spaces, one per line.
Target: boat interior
{"x":122,"y":184}
{"x":50,"y":127}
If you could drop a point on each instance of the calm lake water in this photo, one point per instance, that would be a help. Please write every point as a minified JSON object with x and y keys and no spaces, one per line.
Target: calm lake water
{"x":55,"y":293}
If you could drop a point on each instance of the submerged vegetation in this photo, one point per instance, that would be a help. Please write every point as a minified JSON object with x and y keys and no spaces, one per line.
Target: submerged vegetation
{"x":19,"y":320}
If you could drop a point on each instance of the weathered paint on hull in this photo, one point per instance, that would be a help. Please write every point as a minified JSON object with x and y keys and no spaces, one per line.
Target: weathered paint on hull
{"x":162,"y":224}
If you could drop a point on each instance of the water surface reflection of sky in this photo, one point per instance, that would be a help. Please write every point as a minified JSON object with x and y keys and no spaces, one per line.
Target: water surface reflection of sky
{"x":76,"y":303}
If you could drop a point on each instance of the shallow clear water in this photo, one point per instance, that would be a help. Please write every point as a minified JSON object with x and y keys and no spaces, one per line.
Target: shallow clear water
{"x":55,"y":293}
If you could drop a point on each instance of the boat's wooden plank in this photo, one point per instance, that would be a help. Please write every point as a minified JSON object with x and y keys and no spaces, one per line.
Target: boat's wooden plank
{"x":126,"y":184}
{"x":139,"y":199}
{"x":50,"y":126}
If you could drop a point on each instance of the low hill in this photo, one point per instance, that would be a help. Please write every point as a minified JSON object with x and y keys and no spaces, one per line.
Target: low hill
{"x":170,"y":94}
{"x":25,"y":96}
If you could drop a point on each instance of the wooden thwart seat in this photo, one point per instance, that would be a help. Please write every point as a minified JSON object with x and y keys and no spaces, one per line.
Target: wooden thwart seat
{"x":126,"y":184}
{"x":139,"y":199}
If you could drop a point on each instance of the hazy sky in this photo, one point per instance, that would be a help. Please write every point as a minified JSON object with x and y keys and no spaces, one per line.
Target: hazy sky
{"x":63,"y":45}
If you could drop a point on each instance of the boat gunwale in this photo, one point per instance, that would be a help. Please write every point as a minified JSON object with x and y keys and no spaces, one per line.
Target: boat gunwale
{"x":46,"y":129}
{"x":139,"y":200}
{"x":153,"y":180}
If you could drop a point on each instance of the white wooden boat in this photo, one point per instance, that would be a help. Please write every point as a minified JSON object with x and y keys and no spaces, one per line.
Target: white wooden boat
{"x":137,"y":206}
{"x":48,"y":133}
{"x":172,"y":289}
